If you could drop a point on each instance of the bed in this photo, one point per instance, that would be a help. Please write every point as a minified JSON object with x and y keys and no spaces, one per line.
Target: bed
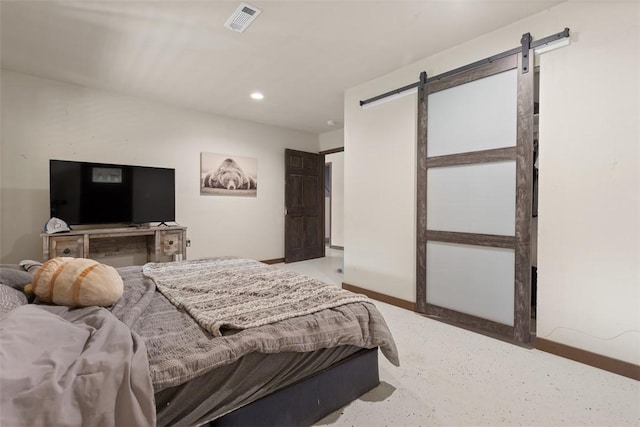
{"x":282,"y":370}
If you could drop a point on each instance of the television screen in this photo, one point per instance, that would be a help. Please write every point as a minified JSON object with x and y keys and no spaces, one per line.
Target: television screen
{"x":99,"y":193}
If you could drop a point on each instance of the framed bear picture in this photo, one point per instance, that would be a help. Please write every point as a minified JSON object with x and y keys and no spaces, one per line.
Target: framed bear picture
{"x":228,"y":175}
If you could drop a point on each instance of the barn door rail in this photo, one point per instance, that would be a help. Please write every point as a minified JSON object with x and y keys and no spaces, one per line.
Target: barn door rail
{"x":526,"y":42}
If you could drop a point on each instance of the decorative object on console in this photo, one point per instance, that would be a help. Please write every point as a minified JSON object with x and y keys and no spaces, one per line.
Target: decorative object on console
{"x":77,"y":282}
{"x":56,"y":225}
{"x":228,"y":175}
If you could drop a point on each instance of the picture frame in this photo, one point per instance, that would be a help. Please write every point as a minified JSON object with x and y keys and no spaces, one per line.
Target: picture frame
{"x":228,"y":175}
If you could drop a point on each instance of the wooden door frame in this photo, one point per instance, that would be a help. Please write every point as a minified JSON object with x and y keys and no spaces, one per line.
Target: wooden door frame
{"x":325,"y":153}
{"x":328,"y":165}
{"x":520,"y":242}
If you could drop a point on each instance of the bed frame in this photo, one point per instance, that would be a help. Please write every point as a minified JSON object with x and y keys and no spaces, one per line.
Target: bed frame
{"x":309,"y":400}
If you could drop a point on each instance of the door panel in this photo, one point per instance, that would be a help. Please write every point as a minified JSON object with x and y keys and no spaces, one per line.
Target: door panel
{"x":295,"y":234}
{"x":295,"y":191}
{"x":311,"y":190}
{"x":311,"y":237}
{"x":483,"y":288}
{"x":474,"y":116}
{"x":476,"y":198}
{"x":304,"y":217}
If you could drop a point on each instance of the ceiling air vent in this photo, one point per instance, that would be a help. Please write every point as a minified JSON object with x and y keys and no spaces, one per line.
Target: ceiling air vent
{"x":242,"y":17}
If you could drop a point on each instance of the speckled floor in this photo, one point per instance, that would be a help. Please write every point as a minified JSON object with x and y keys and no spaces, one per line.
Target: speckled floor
{"x":452,"y":377}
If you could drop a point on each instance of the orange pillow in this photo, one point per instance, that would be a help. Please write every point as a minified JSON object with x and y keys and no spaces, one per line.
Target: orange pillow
{"x":77,"y":282}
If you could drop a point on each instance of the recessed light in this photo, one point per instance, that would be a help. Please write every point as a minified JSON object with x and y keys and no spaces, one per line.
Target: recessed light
{"x":257,"y":96}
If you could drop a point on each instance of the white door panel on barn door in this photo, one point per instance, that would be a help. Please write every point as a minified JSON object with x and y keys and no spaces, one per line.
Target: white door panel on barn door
{"x":478,"y":198}
{"x":479,"y":115}
{"x":471,"y":279}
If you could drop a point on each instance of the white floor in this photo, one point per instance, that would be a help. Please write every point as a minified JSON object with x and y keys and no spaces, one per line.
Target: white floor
{"x":452,"y":377}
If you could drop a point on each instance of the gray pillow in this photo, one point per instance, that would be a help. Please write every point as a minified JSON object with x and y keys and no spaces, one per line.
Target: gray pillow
{"x":17,"y":279}
{"x":10,"y":298}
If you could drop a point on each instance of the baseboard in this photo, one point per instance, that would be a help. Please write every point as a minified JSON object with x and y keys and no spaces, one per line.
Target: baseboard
{"x":337,"y":247}
{"x":606,"y":363}
{"x":273,"y":261}
{"x":407,"y":305}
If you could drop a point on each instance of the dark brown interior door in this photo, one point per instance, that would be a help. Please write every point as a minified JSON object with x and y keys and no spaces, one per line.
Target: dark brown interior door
{"x":304,"y":214}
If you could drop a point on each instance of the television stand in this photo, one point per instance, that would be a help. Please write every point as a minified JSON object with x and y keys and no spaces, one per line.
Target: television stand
{"x":166,"y":243}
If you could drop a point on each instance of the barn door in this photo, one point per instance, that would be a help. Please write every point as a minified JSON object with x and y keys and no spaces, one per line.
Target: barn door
{"x":475,"y":135}
{"x":304,"y":207}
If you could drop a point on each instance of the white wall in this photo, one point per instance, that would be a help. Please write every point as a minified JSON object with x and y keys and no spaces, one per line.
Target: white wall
{"x":331,"y":139}
{"x":337,"y":197}
{"x":43,"y":119}
{"x":589,"y":223}
{"x":380,"y":195}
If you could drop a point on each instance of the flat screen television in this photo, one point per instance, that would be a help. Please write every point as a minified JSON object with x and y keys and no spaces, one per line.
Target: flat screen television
{"x":82,"y":193}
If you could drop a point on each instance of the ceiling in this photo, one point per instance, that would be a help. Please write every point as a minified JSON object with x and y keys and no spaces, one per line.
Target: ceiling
{"x":301,"y":54}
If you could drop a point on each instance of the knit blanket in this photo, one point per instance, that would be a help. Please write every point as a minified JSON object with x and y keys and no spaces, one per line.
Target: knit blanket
{"x":237,"y":293}
{"x":179,"y":349}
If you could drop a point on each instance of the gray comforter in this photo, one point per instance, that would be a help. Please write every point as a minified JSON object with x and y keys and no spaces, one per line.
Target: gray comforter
{"x":66,"y":367}
{"x":180,"y":350}
{"x":87,"y":366}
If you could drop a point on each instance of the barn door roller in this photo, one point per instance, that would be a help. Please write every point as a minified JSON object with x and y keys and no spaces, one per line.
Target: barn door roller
{"x":525,"y":41}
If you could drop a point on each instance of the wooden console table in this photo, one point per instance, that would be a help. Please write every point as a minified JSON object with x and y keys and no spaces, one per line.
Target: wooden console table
{"x":159,"y":243}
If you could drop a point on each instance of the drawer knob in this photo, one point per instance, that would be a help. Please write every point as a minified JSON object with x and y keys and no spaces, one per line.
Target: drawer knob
{"x":66,"y":251}
{"x":171,"y":242}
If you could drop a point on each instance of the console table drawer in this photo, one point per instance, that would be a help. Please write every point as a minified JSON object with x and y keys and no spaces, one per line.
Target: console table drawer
{"x":70,"y":246}
{"x":171,"y":243}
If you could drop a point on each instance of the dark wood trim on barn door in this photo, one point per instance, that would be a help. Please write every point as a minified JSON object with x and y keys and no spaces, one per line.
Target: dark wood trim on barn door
{"x":475,"y":157}
{"x":490,"y":240}
{"x":482,"y":71}
{"x":469,"y":321}
{"x":421,"y":197}
{"x":520,"y":242}
{"x":524,"y":201}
